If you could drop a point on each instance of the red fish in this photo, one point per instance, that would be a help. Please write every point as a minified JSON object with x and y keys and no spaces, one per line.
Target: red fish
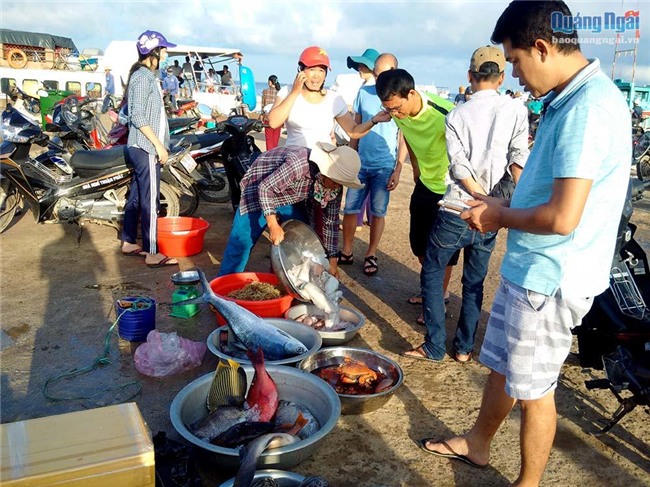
{"x":263,"y":393}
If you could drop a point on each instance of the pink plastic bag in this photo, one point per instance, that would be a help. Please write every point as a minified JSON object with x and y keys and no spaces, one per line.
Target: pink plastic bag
{"x":166,"y":354}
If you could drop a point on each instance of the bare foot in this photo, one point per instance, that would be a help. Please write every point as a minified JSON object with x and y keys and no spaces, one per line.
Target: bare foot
{"x":130,"y":247}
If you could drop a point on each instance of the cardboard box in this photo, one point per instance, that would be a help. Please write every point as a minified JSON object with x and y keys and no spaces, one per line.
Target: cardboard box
{"x":108,"y":446}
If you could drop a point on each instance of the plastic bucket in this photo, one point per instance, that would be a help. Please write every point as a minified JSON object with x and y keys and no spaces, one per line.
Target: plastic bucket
{"x":270,"y":308}
{"x":181,"y":236}
{"x":137,"y":317}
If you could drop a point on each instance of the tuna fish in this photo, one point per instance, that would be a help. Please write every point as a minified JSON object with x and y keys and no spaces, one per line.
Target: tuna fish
{"x":250,"y":329}
{"x":263,"y":393}
{"x":228,"y":386}
{"x":315,"y":482}
{"x":251,"y":453}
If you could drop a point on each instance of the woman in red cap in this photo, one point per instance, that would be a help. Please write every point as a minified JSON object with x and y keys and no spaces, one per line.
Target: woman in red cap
{"x":308,"y":110}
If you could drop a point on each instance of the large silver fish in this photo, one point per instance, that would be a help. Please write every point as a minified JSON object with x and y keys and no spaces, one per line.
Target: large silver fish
{"x":250,"y":329}
{"x":250,"y":454}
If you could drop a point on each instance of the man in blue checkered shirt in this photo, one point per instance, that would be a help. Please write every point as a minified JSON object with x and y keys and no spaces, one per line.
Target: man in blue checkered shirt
{"x":287,"y":183}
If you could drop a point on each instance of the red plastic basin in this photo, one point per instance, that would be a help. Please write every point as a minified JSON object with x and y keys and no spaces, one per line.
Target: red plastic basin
{"x":270,"y":308}
{"x":181,"y":236}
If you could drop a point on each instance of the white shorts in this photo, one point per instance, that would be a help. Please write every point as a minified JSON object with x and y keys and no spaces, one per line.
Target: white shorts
{"x":528,"y":337}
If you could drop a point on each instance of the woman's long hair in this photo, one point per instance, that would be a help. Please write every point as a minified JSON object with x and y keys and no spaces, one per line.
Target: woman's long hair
{"x":140,"y":63}
{"x":273,"y":79}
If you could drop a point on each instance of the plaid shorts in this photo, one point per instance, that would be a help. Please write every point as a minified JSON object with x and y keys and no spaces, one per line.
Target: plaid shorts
{"x":528,"y":337}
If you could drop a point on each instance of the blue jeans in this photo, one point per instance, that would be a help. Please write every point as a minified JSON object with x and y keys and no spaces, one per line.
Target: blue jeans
{"x":376,"y":185}
{"x":450,"y":233}
{"x":246,"y":230}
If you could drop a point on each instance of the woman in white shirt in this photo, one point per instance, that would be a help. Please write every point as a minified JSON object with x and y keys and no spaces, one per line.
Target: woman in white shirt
{"x":308,"y":110}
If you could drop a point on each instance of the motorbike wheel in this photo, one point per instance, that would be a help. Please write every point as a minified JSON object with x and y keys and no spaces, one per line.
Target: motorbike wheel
{"x":643,"y":168}
{"x":170,"y":204}
{"x":11,"y":202}
{"x":215,"y":187}
{"x":188,"y":203}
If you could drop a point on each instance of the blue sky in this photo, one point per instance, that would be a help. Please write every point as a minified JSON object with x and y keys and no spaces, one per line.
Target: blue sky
{"x":433,"y":40}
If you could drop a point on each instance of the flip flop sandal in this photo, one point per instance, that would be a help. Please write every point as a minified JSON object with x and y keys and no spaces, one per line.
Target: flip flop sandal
{"x":344,"y":259}
{"x":416,"y":300}
{"x":370,"y":266}
{"x":420,"y":320}
{"x":135,"y":253}
{"x":162,"y":263}
{"x":452,"y":455}
{"x":419,"y":354}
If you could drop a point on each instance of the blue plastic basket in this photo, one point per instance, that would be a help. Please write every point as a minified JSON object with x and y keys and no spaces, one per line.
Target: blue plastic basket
{"x":137,"y":317}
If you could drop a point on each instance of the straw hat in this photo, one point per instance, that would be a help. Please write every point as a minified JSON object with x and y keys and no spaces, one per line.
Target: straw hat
{"x":340,"y":164}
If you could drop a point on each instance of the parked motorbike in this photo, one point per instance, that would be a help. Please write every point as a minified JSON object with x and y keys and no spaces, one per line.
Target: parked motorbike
{"x":205,"y":149}
{"x":615,"y":334}
{"x":641,"y":156}
{"x":96,"y":192}
{"x":238,"y":151}
{"x":185,"y":108}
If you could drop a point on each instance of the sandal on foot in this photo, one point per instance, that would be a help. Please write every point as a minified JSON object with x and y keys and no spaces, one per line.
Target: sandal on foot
{"x":463,"y":358}
{"x":135,"y":253}
{"x":417,"y":299}
{"x":164,"y":262}
{"x":370,"y":266}
{"x":344,"y":259}
{"x":419,"y":354}
{"x":452,"y":455}
{"x":420,"y":320}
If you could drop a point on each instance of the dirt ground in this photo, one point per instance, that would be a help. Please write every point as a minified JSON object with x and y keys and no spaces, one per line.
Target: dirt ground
{"x":57,"y":303}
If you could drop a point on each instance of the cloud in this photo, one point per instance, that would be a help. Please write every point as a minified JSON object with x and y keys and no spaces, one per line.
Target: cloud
{"x":432,"y":39}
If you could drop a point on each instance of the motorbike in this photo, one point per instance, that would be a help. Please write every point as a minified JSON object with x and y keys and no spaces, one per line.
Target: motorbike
{"x":615,"y":334}
{"x":95,"y":193}
{"x":641,"y":156}
{"x":238,"y":151}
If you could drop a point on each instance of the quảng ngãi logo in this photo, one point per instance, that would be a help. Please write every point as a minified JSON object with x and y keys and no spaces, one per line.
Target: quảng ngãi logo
{"x":609,"y":21}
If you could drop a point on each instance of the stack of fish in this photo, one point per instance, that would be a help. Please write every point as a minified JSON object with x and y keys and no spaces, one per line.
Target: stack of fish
{"x":322,"y":288}
{"x":255,"y":421}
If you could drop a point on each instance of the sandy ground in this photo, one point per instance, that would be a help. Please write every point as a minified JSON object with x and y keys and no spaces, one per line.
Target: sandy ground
{"x":57,"y":303}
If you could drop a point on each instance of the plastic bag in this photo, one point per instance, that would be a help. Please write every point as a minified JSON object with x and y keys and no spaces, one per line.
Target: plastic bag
{"x":166,"y":354}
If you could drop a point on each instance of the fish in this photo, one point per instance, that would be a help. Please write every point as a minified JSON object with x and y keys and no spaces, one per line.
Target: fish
{"x":228,"y":386}
{"x":266,"y":482}
{"x":250,"y":453}
{"x":250,"y":329}
{"x":315,"y":482}
{"x":242,"y":433}
{"x":263,"y":393}
{"x":288,"y":413}
{"x":221,"y":420}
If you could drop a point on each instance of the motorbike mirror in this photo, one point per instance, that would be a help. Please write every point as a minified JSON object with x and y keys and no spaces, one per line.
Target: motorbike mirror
{"x":42,"y":93}
{"x":90,"y":87}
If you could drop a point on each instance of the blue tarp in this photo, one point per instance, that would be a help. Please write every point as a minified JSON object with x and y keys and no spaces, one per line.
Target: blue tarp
{"x":36,"y":39}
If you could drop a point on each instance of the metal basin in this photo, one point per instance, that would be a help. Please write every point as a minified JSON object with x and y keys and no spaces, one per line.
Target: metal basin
{"x":331,"y":338}
{"x":300,"y":242}
{"x":189,"y":406}
{"x":358,"y":403}
{"x":305,"y":334}
{"x":282,"y":477}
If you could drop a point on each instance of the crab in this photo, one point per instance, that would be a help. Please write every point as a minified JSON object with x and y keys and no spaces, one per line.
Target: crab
{"x":353,"y":372}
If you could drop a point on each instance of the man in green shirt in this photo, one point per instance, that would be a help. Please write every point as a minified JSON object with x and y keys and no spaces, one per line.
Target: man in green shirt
{"x":421,"y":118}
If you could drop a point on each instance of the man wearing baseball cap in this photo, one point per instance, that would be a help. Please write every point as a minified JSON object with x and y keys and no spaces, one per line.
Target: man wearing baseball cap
{"x":487,"y":138}
{"x":272,"y":189}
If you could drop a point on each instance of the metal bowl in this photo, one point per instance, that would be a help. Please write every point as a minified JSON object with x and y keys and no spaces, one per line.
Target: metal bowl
{"x":189,"y":406}
{"x":300,"y":242}
{"x":331,"y":338}
{"x":306,"y":334}
{"x":358,"y":403}
{"x":283,"y":478}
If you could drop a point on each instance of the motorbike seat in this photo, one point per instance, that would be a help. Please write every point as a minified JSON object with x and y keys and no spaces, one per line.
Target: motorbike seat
{"x":200,"y":141}
{"x":180,"y":122}
{"x":88,"y":162}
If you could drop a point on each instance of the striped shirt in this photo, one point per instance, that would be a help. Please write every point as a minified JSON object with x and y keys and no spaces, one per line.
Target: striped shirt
{"x":146,"y":107}
{"x":284,"y":176}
